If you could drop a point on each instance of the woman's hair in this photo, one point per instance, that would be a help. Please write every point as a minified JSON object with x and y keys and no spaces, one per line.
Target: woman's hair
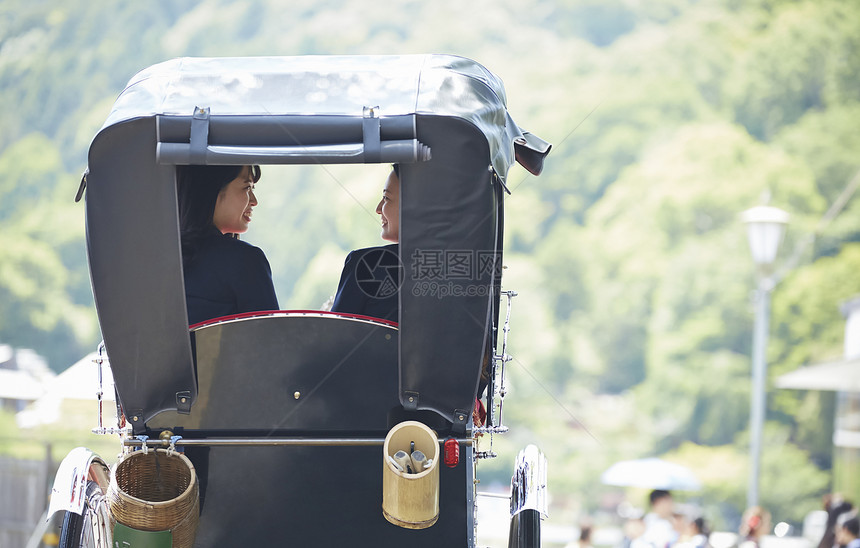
{"x":585,"y":533}
{"x":852,"y":525}
{"x":198,"y":188}
{"x":702,"y":526}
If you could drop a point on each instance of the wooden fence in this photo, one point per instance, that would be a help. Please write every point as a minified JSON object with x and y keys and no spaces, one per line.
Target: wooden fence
{"x":24,"y":489}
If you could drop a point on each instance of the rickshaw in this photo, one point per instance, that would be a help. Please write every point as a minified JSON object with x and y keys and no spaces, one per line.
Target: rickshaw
{"x":284,"y":414}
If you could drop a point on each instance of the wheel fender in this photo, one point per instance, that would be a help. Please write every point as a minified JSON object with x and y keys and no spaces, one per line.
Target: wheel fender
{"x":528,"y":499}
{"x":528,"y":484}
{"x":70,"y":483}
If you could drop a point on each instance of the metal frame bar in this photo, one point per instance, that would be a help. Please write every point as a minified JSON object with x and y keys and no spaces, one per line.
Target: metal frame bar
{"x":305,"y":442}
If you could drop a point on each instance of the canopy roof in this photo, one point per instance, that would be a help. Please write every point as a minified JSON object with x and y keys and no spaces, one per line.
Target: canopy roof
{"x":392,"y":85}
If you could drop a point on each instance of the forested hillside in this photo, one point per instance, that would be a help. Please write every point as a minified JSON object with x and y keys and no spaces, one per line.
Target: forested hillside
{"x":633,"y":326}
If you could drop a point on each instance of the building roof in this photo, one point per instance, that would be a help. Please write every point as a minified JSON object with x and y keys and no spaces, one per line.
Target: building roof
{"x":839,"y":376}
{"x":78,"y":382}
{"x":19,"y":385}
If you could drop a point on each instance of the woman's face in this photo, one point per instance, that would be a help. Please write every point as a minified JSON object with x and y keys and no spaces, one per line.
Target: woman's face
{"x":389,"y":209}
{"x":235,"y":203}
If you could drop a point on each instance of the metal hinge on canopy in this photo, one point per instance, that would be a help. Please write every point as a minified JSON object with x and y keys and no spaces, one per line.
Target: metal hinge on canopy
{"x":183,"y":402}
{"x":199,"y":135}
{"x":410,"y":400}
{"x":370,"y":129}
{"x":495,"y":177}
{"x":461,"y":419}
{"x":83,"y":186}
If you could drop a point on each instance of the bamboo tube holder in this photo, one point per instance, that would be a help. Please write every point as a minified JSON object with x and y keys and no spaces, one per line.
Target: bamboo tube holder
{"x":411,"y":500}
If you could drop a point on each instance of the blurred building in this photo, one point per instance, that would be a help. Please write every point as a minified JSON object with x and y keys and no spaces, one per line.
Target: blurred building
{"x":23,"y":377}
{"x":843,"y":377}
{"x":69,"y":397}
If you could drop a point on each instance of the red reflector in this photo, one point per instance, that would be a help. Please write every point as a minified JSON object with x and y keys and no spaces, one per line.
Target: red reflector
{"x":451,"y":450}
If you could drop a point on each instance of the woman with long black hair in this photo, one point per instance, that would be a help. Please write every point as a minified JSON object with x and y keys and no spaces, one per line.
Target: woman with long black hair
{"x":223,"y":275}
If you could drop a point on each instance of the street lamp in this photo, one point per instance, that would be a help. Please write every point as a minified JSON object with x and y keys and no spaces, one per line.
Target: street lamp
{"x":765,"y":230}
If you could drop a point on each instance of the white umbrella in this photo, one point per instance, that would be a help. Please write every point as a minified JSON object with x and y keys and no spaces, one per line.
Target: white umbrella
{"x":651,"y":473}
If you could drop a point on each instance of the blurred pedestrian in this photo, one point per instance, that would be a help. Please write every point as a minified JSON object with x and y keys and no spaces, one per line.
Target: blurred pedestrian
{"x":755,"y":523}
{"x":659,"y":531}
{"x":584,"y":537}
{"x":680,"y":523}
{"x":699,"y":532}
{"x":695,"y":534}
{"x":835,"y":506}
{"x":848,"y":533}
{"x":634,"y":529}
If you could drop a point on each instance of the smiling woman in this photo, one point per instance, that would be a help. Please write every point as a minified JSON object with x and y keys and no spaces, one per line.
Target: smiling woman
{"x":389,"y":207}
{"x":371,"y":277}
{"x":235,"y":202}
{"x":222,"y":274}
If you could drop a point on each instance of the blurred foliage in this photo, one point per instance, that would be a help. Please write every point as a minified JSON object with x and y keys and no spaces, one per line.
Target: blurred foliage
{"x":632,"y":332}
{"x":723,"y":471}
{"x":58,"y":439}
{"x":45,"y":301}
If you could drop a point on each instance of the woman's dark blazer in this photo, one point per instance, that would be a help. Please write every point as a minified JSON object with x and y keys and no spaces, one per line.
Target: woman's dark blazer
{"x":227,"y":276}
{"x":370,"y":283}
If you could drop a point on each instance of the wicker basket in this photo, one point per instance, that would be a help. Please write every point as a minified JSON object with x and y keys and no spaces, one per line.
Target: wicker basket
{"x":156,"y":492}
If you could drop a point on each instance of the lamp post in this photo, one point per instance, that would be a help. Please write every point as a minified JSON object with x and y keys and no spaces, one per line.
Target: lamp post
{"x":765,"y":230}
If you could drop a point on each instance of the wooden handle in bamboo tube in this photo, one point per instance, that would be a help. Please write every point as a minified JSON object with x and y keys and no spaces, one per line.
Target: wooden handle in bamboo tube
{"x":411,"y":500}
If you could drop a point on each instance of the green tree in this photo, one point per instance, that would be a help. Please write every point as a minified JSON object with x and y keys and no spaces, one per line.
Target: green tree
{"x":724,"y":473}
{"x":805,"y":56}
{"x":45,"y":302}
{"x":809,"y":328}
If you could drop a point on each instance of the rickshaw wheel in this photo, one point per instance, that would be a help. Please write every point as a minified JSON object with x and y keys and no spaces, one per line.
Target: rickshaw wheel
{"x":525,"y":530}
{"x":91,"y":528}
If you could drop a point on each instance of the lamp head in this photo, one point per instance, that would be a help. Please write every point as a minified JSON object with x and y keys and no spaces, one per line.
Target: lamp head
{"x":765,"y":231}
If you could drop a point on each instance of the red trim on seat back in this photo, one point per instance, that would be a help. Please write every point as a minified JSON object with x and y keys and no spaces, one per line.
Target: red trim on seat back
{"x":261,"y":313}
